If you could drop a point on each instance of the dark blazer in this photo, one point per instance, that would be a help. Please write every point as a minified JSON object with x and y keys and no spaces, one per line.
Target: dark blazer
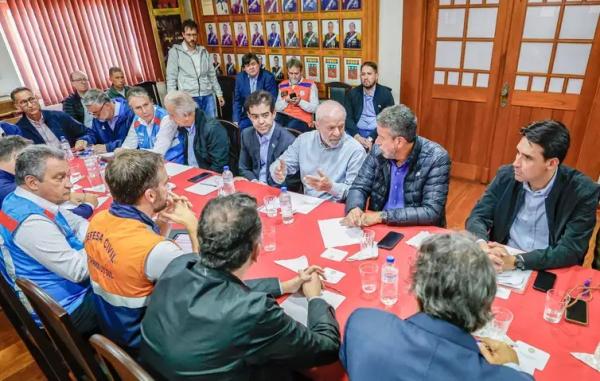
{"x":211,"y":143}
{"x":380,"y":346}
{"x":72,"y":106}
{"x":250,"y":154}
{"x":60,"y":123}
{"x":265,"y":81}
{"x":425,"y":185}
{"x":206,"y":324}
{"x":570,"y":209}
{"x":354,"y":106}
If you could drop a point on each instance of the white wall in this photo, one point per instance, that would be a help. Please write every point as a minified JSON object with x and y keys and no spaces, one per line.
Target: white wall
{"x":390,"y":44}
{"x":9,"y":78}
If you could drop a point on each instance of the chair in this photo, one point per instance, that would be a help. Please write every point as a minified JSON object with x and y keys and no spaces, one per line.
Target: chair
{"x":152,"y":90}
{"x":76,"y":352}
{"x":37,"y":342}
{"x":337,"y":91}
{"x":293,"y":131}
{"x":228,"y":88}
{"x":119,"y":362}
{"x":233,"y":132}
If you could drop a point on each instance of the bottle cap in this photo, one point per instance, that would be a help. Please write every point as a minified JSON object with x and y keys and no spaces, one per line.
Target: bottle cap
{"x":389,"y":259}
{"x":226,"y":168}
{"x":284,"y":189}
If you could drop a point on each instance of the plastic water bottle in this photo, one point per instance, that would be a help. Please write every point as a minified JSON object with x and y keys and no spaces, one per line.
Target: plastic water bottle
{"x":66,"y":147}
{"x":389,"y":282}
{"x":228,"y":185}
{"x":285,"y":203}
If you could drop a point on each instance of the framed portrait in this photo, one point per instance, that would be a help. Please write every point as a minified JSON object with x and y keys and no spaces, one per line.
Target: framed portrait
{"x":274,"y":36}
{"x":262,"y":61}
{"x":241,"y":35}
{"x":331,"y":69}
{"x":272,"y":6}
{"x":222,"y":7}
{"x":216,"y":62}
{"x":230,"y":68}
{"x":257,"y":34}
{"x":289,"y":6}
{"x":226,"y":37}
{"x":309,"y":5}
{"x":312,"y":68}
{"x":237,"y":7}
{"x":351,"y":5}
{"x":254,"y":7}
{"x":329,"y":5}
{"x":292,"y":39}
{"x":240,"y":67}
{"x":352,"y":71}
{"x":207,"y":7}
{"x":212,"y":39}
{"x":276,"y":66}
{"x":331,"y":33}
{"x":352,"y":34}
{"x":310,"y":34}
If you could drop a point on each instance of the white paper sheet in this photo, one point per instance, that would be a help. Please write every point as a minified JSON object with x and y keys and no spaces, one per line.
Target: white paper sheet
{"x":502,"y":293}
{"x":102,"y":200}
{"x":530,"y":357}
{"x":301,"y":203}
{"x":294,"y":264}
{"x":296,"y":306}
{"x":333,"y":276}
{"x":100,"y":188}
{"x":418,"y":239}
{"x":362,"y":255}
{"x":334,"y":254}
{"x":204,"y":187}
{"x":335,"y":234}
{"x":184,"y":241}
{"x":587,"y":359}
{"x":174,"y":169}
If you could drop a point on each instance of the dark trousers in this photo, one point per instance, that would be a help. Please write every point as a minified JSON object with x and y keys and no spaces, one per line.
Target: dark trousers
{"x":84,"y":317}
{"x":285,"y":120}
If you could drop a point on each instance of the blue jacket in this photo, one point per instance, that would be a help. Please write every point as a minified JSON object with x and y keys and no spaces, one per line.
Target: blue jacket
{"x":60,"y":123}
{"x":9,"y":129}
{"x":103,"y":134}
{"x":380,"y":346}
{"x":265,"y":81}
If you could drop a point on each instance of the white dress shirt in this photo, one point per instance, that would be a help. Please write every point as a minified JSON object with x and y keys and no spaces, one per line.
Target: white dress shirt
{"x":46,"y":133}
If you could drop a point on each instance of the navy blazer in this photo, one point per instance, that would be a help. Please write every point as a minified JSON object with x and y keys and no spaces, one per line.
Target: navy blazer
{"x":265,"y":81}
{"x":60,"y":123}
{"x":250,"y":152}
{"x":354,"y":106}
{"x":380,"y":346}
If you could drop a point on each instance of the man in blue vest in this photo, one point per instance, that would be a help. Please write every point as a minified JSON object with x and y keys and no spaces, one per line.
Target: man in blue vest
{"x":47,"y":126}
{"x":43,"y":240}
{"x":7,"y":129}
{"x":112,"y":119}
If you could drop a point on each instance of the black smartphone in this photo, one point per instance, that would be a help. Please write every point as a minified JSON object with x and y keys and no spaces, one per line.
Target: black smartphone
{"x":544,"y":281}
{"x":390,"y":240}
{"x":293,"y":95}
{"x":199,"y":177}
{"x":577,"y":313}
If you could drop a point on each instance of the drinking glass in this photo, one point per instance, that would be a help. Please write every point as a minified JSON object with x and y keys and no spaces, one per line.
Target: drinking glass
{"x":554,"y":307}
{"x":369,"y":276}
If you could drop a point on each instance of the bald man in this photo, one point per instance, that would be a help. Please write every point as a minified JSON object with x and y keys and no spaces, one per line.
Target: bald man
{"x":73,"y":105}
{"x":328,"y":159}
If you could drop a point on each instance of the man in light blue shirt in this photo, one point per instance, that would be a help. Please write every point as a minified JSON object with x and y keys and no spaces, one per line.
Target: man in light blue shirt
{"x":328,"y":159}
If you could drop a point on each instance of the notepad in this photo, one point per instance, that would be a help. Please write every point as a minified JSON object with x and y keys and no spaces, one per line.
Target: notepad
{"x":335,"y":234}
{"x":204,"y":187}
{"x":294,"y":264}
{"x":173,"y":169}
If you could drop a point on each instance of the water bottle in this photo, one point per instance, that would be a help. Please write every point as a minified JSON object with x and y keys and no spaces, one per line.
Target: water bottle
{"x":389,"y":283}
{"x":66,"y":147}
{"x":228,"y":185}
{"x":285,"y":203}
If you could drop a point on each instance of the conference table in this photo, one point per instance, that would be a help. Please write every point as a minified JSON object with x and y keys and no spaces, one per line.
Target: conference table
{"x":303,"y":237}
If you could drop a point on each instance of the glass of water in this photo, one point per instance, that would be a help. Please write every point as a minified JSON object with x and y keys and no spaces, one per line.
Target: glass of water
{"x":369,"y":276}
{"x":269,"y":234}
{"x":270,"y":203}
{"x":554,"y":307}
{"x":501,"y":321}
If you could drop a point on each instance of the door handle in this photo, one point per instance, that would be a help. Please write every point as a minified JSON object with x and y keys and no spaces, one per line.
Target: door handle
{"x":504,"y":95}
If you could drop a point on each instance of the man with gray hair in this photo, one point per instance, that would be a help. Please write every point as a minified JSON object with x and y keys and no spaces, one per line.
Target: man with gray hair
{"x":73,"y":104}
{"x":203,"y":141}
{"x":454,"y":283}
{"x":43,"y":240}
{"x":328,"y":159}
{"x":112,"y":118}
{"x":405,"y":176}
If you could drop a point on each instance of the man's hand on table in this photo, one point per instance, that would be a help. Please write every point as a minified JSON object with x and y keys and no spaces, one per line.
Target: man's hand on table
{"x":295,"y":284}
{"x":356,"y":217}
{"x":99,"y":148}
{"x":497,"y":352}
{"x":500,"y":257}
{"x":80,"y":145}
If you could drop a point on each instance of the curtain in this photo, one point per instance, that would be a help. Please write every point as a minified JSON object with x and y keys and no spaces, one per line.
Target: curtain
{"x":51,"y":38}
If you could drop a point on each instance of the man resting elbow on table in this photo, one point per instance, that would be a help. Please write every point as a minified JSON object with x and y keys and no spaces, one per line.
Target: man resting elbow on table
{"x":328,"y":159}
{"x":405,"y":176}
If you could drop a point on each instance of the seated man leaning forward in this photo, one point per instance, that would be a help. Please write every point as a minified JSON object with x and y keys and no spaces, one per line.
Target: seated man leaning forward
{"x":404,"y":177}
{"x":205,"y":323}
{"x":537,"y":205}
{"x":328,"y":159}
{"x":455,"y":285}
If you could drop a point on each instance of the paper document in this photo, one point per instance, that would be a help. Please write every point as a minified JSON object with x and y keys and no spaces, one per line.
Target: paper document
{"x":587,"y":359}
{"x":101,"y":188}
{"x":332,"y":276}
{"x":418,"y":239}
{"x":335,"y":234}
{"x":295,"y":264}
{"x":301,"y":203}
{"x":367,"y":253}
{"x":515,"y":279}
{"x":184,"y":241}
{"x":502,"y":293}
{"x":174,"y":169}
{"x":204,"y":187}
{"x":296,"y":306}
{"x":530,"y":357}
{"x":334,"y":254}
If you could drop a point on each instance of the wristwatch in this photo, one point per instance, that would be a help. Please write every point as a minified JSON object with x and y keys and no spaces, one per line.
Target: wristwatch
{"x":519,"y":262}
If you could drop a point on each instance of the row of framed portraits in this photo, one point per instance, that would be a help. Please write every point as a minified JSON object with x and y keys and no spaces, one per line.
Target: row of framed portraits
{"x":240,"y":7}
{"x":311,"y":36}
{"x":329,"y":71}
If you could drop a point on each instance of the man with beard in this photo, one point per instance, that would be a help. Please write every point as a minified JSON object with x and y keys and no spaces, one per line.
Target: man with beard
{"x":328,"y":159}
{"x":404,"y":178}
{"x":127,"y":249}
{"x":363,"y":103}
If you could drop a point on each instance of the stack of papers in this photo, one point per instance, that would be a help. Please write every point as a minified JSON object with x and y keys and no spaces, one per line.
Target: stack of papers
{"x":296,"y":306}
{"x":418,"y":239}
{"x":174,"y":169}
{"x":301,"y":203}
{"x":362,"y":255}
{"x":335,"y":234}
{"x":587,"y":359}
{"x":516,"y":279}
{"x":204,"y":187}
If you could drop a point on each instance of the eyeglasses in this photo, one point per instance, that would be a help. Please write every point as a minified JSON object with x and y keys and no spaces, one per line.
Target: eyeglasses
{"x":80,"y":80}
{"x":97,"y":113}
{"x":24,"y":102}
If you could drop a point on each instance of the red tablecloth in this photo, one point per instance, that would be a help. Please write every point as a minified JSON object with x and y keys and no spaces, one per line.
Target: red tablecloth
{"x":303,"y":238}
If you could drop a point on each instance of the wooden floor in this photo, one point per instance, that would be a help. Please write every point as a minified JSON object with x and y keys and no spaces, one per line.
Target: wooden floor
{"x":17,"y":365}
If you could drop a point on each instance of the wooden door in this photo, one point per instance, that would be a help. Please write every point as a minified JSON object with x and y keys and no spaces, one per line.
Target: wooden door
{"x":488,"y":67}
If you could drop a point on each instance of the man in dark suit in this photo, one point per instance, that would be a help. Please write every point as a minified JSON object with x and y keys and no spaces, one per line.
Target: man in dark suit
{"x":72,"y":104}
{"x":204,"y":322}
{"x":537,"y":205}
{"x":251,"y":79}
{"x":455,"y":286}
{"x":363,"y":104}
{"x":264,"y":143}
{"x":47,"y":126}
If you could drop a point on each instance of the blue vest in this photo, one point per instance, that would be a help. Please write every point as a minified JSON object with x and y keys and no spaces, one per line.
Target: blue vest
{"x":173,"y":154}
{"x":18,"y":264}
